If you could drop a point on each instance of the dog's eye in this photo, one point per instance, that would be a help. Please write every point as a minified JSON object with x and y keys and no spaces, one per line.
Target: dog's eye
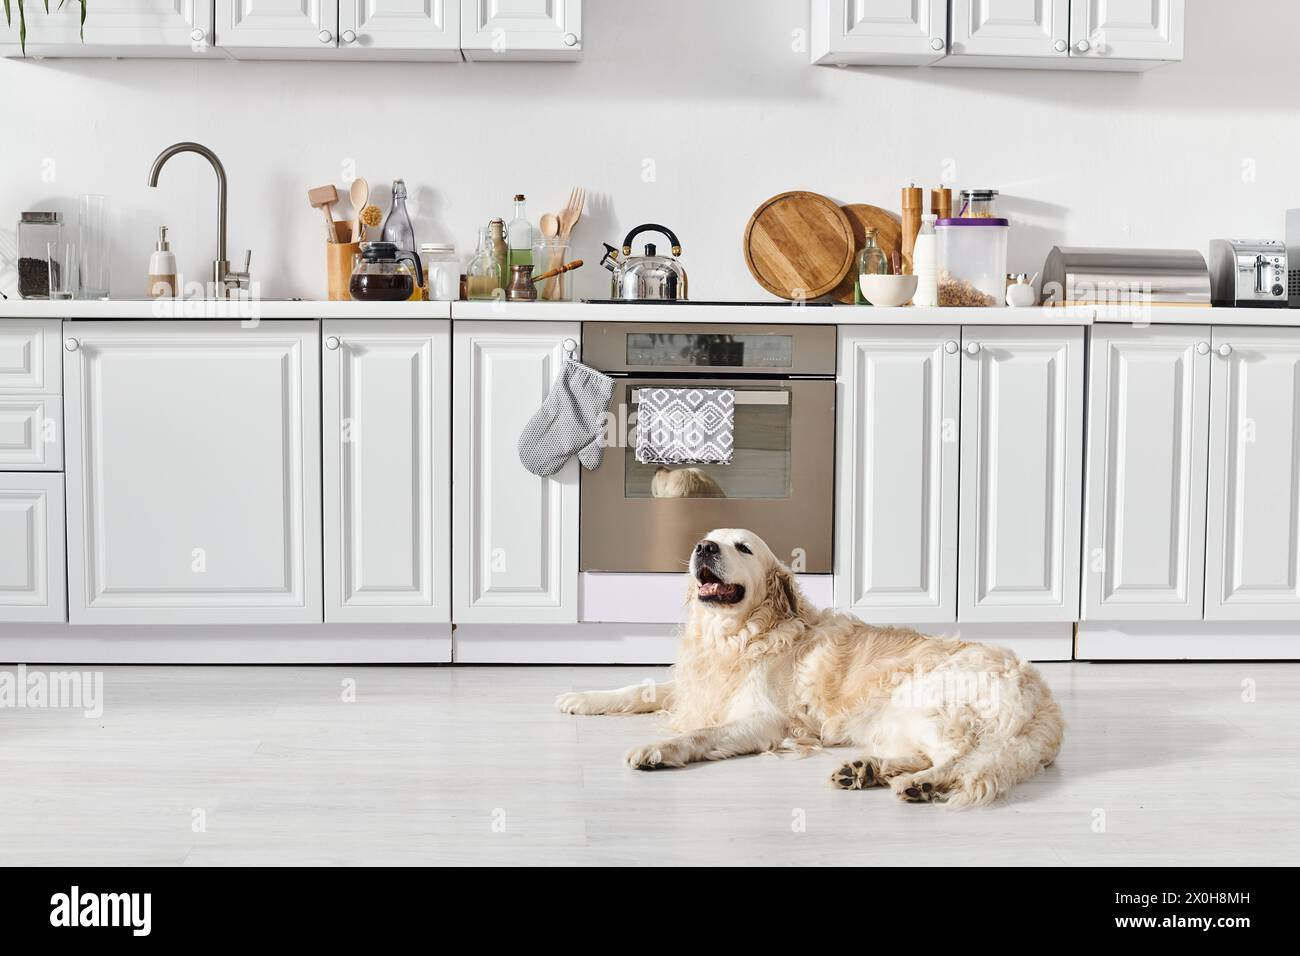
{"x":743,"y":550}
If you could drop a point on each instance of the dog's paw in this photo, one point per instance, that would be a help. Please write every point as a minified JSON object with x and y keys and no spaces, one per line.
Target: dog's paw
{"x":655,"y":756}
{"x":578,"y":703}
{"x":914,"y":788}
{"x":858,"y":775}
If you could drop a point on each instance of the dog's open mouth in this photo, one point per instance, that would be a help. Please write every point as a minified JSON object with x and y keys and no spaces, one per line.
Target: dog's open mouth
{"x":716,"y":591}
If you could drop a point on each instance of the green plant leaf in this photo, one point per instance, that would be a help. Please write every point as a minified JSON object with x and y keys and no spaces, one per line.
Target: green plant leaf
{"x":83,"y":21}
{"x":8,"y":19}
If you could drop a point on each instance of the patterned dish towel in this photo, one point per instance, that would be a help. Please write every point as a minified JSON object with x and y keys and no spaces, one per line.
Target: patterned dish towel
{"x":685,"y":426}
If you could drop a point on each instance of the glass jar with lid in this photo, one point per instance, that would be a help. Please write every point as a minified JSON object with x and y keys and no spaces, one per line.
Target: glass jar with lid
{"x":441,"y":271}
{"x":977,"y":203}
{"x":36,"y":231}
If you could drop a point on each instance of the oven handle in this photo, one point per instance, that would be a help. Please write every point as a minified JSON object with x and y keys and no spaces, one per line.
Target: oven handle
{"x":743,"y":396}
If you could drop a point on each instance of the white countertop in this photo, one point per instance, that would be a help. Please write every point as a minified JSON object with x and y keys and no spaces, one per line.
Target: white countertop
{"x":761,"y":314}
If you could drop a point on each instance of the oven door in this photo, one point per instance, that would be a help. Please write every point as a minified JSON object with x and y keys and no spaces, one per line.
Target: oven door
{"x":780,"y":483}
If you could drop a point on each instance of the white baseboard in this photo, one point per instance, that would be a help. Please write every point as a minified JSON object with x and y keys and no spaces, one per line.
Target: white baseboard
{"x":226,"y":644}
{"x":565,"y":643}
{"x":656,"y":643}
{"x":1188,"y":641}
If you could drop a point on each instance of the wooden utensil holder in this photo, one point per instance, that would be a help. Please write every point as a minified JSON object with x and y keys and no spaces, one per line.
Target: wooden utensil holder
{"x":339,"y":257}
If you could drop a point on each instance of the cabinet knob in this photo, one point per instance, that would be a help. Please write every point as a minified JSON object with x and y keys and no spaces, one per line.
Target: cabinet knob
{"x":570,"y":39}
{"x":936,"y":44}
{"x":325,"y":36}
{"x":973,"y":348}
{"x":1083,"y":46}
{"x":1202,"y":348}
{"x":1225,"y":349}
{"x":198,"y":36}
{"x":71,"y":344}
{"x":950,"y":347}
{"x":332,"y":342}
{"x":1061,"y":46}
{"x":347,"y":36}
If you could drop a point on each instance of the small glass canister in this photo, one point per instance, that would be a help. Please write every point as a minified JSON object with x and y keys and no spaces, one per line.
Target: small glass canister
{"x":37,"y":231}
{"x":549,"y":253}
{"x":441,"y":271}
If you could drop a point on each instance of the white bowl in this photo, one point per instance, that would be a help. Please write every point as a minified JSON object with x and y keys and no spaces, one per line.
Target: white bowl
{"x":886,"y":291}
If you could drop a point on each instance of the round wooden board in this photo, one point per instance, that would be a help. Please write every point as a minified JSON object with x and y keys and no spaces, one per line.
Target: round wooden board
{"x":799,"y":245}
{"x":889,"y":237}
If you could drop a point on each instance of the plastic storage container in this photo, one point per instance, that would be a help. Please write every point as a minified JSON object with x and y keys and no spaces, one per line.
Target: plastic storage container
{"x":972,"y":261}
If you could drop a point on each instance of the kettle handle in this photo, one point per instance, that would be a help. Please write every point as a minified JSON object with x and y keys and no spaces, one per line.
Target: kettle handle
{"x":403,"y":255}
{"x":651,"y":227}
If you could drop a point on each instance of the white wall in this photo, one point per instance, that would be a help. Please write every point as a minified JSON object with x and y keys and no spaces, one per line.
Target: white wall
{"x":713,"y":94}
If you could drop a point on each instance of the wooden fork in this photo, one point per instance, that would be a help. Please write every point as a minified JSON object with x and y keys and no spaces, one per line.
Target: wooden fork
{"x":568,"y":217}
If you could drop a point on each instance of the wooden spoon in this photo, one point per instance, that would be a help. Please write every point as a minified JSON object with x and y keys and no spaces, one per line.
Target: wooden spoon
{"x":359,"y":193}
{"x":549,"y":225}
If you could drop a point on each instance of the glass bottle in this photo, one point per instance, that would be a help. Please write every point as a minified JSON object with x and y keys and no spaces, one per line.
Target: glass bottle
{"x":397,"y":227}
{"x":925,"y":263}
{"x":483,"y":274}
{"x":519,"y":234}
{"x":500,"y":249}
{"x":871,"y":261}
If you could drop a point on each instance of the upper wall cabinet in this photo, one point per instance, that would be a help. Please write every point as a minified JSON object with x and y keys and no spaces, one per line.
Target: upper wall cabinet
{"x":339,"y":29}
{"x":306,"y":29}
{"x":879,"y":32}
{"x":521,"y":29}
{"x":1122,"y":35}
{"x":127,"y":28}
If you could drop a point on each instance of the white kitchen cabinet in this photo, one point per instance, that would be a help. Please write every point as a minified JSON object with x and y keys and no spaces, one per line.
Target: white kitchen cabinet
{"x":193,"y":471}
{"x":399,"y":29}
{"x":521,"y":29}
{"x":1145,"y":480}
{"x":1126,"y":34}
{"x":896,"y":524}
{"x":31,"y":433}
{"x":878,"y":32}
{"x":514,"y":535}
{"x":386,"y":394}
{"x":1021,"y":474}
{"x":289,"y":29}
{"x":982,"y":31}
{"x":1252,"y":564}
{"x":31,"y":548}
{"x":29,"y":357}
{"x":114,"y":28}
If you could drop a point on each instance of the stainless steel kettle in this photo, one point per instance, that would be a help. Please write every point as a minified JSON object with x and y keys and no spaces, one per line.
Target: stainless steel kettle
{"x":649,"y":277}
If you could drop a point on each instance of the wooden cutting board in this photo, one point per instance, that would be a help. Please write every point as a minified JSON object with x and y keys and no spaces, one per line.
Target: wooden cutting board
{"x":799,"y":245}
{"x":889,"y":237}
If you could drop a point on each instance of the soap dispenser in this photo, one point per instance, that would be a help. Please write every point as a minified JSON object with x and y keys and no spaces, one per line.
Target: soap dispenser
{"x":162,"y":268}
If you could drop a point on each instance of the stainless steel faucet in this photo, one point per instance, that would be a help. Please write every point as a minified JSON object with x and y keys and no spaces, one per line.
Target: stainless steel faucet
{"x":223,"y":280}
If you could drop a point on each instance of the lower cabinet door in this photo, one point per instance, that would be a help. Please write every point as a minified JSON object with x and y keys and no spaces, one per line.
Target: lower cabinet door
{"x":1252,"y":547}
{"x":1148,"y":426}
{"x":31,"y":433}
{"x":896,"y":525}
{"x":1021,"y":474}
{"x":31,"y":548}
{"x":514,"y":535}
{"x":386,"y":391}
{"x":193,"y":467}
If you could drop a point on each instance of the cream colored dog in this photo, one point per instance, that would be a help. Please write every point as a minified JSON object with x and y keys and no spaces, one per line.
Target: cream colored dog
{"x":760,"y":670}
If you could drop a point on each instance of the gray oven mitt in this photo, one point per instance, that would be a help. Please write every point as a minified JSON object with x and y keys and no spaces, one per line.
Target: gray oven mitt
{"x":568,"y":423}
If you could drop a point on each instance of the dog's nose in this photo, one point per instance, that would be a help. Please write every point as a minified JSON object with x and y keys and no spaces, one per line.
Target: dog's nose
{"x":706,"y":547}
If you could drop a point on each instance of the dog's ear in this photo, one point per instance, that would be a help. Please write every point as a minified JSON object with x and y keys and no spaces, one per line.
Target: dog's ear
{"x":784,"y":593}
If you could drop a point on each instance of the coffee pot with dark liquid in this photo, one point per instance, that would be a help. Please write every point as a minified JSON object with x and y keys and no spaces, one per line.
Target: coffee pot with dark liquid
{"x":378,"y":274}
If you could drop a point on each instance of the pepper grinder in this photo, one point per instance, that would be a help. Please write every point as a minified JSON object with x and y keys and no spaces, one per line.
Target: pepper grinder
{"x":913,"y":200}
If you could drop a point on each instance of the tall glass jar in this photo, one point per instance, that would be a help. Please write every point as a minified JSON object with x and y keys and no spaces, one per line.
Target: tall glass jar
{"x":871,"y":261}
{"x":36,"y":231}
{"x":549,"y":253}
{"x":483,"y":275}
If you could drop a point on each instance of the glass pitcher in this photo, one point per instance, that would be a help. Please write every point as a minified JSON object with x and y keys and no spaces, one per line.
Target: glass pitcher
{"x":381,"y":273}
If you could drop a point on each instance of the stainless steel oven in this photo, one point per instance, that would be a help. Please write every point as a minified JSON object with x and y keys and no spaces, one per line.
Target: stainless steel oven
{"x":780,"y":481}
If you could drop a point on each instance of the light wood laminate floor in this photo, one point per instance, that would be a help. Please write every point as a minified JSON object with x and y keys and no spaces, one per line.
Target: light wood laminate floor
{"x":1163,"y":763}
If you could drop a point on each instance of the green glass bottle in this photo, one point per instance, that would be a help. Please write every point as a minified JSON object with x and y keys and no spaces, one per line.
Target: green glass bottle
{"x":871,"y":261}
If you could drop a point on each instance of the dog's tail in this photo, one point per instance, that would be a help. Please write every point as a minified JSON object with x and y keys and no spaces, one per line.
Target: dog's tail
{"x":993,"y":767}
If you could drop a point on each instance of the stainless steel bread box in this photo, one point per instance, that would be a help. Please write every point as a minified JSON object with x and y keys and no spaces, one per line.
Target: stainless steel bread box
{"x":1082,"y":275}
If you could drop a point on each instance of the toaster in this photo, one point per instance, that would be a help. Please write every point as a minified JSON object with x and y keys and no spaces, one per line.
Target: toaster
{"x":1249,"y":272}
